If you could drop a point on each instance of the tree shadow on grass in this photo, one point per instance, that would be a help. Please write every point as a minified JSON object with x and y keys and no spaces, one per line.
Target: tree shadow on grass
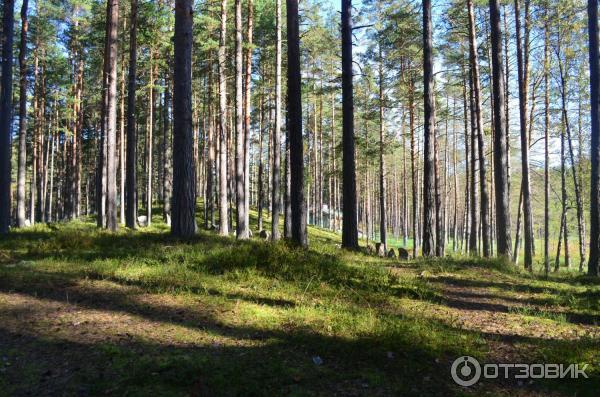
{"x":281,"y":364}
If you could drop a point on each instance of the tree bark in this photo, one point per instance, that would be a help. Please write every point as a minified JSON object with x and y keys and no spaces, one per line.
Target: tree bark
{"x":276,"y":173}
{"x":523,"y":77}
{"x":131,"y":183}
{"x":413,"y":165}
{"x":349,"y":218}
{"x":247,"y":105}
{"x":209,"y":216}
{"x":429,"y":147}
{"x":503,"y":235}
{"x":484,"y":208}
{"x":299,"y":235}
{"x":240,"y":200}
{"x":111,"y":114}
{"x":223,"y":210}
{"x":183,"y":222}
{"x":8,"y":17}
{"x":594,"y":59}
{"x":167,"y":153}
{"x":150,"y":140}
{"x":22,"y":170}
{"x":382,"y":187}
{"x":546,"y":144}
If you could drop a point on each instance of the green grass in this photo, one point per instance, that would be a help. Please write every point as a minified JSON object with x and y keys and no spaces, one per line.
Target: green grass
{"x":215,"y":316}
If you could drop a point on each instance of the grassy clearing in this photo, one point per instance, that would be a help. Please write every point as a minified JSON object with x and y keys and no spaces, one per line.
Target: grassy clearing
{"x":213,"y":316}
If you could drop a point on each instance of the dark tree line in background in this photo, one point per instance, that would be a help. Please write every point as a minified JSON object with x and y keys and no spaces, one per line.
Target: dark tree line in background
{"x":123,"y":116}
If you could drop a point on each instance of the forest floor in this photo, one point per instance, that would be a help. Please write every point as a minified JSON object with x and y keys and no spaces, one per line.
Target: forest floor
{"x":85,"y":312}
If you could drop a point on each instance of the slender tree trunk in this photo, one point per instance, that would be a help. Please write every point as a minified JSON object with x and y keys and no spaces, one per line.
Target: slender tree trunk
{"x":523,"y":76}
{"x":546,"y":144}
{"x":594,"y":59}
{"x":241,"y":227}
{"x":349,"y":218}
{"x":131,"y":183}
{"x":276,"y":173}
{"x":53,"y":142}
{"x":6,"y":114}
{"x":413,"y":165}
{"x":484,"y":208}
{"x":209,"y":216}
{"x":564,"y":196}
{"x":515,"y":253}
{"x":287,"y":226}
{"x":223,"y":211}
{"x":474,"y":228}
{"x":382,"y":187}
{"x":122,"y":141}
{"x":260,"y":195}
{"x":506,"y":107}
{"x":167,"y":154}
{"x":404,"y":190}
{"x":22,"y":170}
{"x":455,"y":177}
{"x":150,"y":140}
{"x":429,"y":146}
{"x":111,"y":114}
{"x":503,"y":236}
{"x":101,"y":163}
{"x":183,"y":222}
{"x":247,"y":103}
{"x":299,"y":235}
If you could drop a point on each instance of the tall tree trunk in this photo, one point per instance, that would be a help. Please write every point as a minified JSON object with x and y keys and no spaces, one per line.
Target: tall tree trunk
{"x":546,"y":144}
{"x":468,"y":167}
{"x":287,"y":224}
{"x":503,"y":235}
{"x":101,"y":162}
{"x":183,"y":222}
{"x":8,"y":17}
{"x":455,"y":177}
{"x":209,"y":216}
{"x":223,"y":210}
{"x":523,"y":76}
{"x":111,"y":115}
{"x":240,"y":200}
{"x":506,"y":106}
{"x":564,"y":196}
{"x":22,"y":170}
{"x":349,"y":218}
{"x":299,"y":235}
{"x":39,"y":191}
{"x":594,"y":57}
{"x":131,"y":183}
{"x":413,"y":166}
{"x":276,"y":174}
{"x":168,"y":153}
{"x":247,"y":104}
{"x":260,"y":194}
{"x":474,"y":228}
{"x":150,"y":140}
{"x":382,"y":189}
{"x":122,"y":141}
{"x":484,"y":208}
{"x":429,"y":146}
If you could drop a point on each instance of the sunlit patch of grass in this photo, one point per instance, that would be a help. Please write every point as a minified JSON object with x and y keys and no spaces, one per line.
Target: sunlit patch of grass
{"x":530,"y":311}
